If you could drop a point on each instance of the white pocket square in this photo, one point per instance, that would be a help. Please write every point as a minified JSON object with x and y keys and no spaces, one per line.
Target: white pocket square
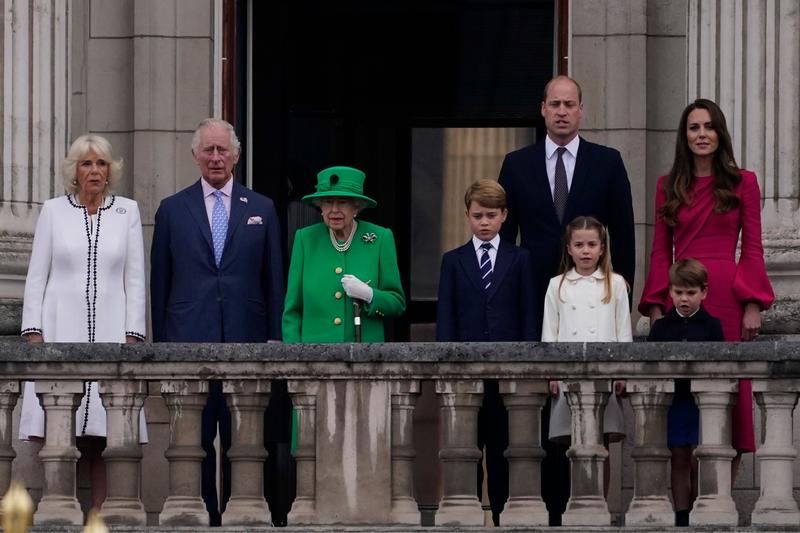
{"x":254,"y":220}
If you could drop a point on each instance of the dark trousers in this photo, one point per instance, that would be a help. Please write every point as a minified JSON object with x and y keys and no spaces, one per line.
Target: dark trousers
{"x":279,"y":473}
{"x":215,"y":412}
{"x":555,"y":471}
{"x":493,"y":441}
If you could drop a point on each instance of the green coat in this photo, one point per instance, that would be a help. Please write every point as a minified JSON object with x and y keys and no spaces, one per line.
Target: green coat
{"x":317,"y":310}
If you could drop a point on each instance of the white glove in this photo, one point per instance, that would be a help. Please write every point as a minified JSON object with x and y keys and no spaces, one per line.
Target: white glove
{"x":355,"y":288}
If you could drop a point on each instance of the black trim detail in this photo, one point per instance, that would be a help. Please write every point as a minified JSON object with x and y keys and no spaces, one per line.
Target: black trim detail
{"x":135,"y":334}
{"x":30,"y":330}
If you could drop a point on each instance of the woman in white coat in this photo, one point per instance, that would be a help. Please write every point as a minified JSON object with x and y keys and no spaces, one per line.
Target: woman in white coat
{"x":85,"y":283}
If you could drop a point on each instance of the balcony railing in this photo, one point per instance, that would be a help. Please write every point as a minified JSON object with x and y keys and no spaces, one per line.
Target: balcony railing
{"x":354,"y":407}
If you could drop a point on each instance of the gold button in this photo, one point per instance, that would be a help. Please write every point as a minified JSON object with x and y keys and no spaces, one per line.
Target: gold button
{"x":338,"y":270}
{"x":338,"y":295}
{"x":337,"y":320}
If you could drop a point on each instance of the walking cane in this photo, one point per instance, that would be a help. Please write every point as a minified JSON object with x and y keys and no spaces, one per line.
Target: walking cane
{"x":357,"y":318}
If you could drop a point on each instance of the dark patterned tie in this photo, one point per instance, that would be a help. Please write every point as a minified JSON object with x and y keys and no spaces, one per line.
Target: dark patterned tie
{"x":486,"y":265}
{"x":560,"y":190}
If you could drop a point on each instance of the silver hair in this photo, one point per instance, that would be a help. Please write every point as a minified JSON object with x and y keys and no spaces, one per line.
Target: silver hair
{"x":216,"y":122}
{"x":80,"y":148}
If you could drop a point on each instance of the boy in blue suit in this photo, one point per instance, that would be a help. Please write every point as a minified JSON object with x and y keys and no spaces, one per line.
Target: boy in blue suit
{"x":486,"y":294}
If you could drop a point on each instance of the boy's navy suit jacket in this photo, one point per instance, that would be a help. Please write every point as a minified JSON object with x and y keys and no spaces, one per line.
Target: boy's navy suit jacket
{"x":504,"y":312}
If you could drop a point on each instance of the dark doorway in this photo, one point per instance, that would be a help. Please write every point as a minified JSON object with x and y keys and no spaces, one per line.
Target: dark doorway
{"x":364,"y":83}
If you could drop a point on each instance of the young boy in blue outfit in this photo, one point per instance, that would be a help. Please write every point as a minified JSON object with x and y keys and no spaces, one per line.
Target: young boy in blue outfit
{"x":687,"y":321}
{"x":486,"y":294}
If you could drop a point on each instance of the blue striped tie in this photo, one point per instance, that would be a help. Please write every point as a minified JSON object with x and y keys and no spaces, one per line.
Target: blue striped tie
{"x":486,"y":265}
{"x":219,"y":226}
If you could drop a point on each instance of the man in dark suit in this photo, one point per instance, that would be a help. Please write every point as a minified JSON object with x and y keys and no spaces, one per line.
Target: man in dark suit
{"x":485,"y":295}
{"x":548,"y":184}
{"x":216,"y":273}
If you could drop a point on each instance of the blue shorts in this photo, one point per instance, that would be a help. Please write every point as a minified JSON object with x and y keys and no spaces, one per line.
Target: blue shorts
{"x":683,"y":423}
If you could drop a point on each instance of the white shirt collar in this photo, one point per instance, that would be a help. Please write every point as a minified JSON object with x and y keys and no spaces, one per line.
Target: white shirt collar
{"x":690,"y":316}
{"x":476,"y":242}
{"x":573,"y":275}
{"x":572,"y":147}
{"x":226,"y":189}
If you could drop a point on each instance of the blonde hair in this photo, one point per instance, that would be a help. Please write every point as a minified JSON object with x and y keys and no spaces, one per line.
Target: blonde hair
{"x":80,"y":148}
{"x":604,"y":263}
{"x":487,"y":193}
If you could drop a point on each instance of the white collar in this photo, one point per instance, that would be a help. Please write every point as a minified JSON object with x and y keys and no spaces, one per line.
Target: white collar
{"x":226,"y":189}
{"x":550,"y":147}
{"x":572,"y":275}
{"x":476,"y":242}
{"x":684,"y":316}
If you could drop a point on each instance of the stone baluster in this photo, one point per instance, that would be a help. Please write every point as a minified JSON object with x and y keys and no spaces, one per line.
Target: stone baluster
{"x":524,"y":401}
{"x":404,"y":400}
{"x":59,"y":455}
{"x":651,"y":505}
{"x":185,"y":401}
{"x":459,"y":403}
{"x":714,"y":504}
{"x":9,"y":393}
{"x":123,"y":401}
{"x":304,"y":399}
{"x":776,"y":505}
{"x":247,"y":400}
{"x":587,"y":504}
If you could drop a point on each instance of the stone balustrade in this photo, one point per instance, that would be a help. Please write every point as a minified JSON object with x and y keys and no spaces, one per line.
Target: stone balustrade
{"x":354,"y":407}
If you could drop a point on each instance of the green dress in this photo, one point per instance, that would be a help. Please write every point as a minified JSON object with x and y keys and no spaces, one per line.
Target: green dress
{"x":316,"y":309}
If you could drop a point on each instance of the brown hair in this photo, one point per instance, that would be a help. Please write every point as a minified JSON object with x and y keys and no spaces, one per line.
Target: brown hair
{"x":688,"y":273}
{"x":726,"y":172}
{"x":487,"y":193}
{"x":604,"y":263}
{"x":559,"y":78}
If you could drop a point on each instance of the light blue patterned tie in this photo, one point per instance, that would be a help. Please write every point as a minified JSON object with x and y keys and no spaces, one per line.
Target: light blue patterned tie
{"x":486,"y":265}
{"x":219,"y":226}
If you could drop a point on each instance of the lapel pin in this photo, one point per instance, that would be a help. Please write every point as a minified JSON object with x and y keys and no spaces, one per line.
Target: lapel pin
{"x":243,"y":199}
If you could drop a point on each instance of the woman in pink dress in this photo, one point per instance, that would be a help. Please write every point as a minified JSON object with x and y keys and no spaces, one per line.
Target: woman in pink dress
{"x":702,"y":207}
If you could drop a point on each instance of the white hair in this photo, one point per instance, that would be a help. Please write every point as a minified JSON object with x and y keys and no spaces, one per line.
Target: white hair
{"x":78,"y":151}
{"x":216,"y":122}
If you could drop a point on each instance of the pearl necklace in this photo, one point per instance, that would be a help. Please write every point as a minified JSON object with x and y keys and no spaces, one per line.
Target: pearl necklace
{"x":346,"y":244}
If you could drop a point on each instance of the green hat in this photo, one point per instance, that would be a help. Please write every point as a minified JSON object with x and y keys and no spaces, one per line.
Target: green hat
{"x":340,"y":182}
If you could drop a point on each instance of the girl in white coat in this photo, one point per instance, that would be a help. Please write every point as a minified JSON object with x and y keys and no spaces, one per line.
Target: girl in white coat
{"x":587,"y":302}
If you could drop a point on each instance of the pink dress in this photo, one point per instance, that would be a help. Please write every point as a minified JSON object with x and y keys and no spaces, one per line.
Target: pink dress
{"x":711,"y":238}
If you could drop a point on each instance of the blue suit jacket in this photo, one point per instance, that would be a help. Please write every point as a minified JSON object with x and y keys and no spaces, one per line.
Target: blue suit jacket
{"x":193,"y":300}
{"x":600,"y":188}
{"x":467,"y":312}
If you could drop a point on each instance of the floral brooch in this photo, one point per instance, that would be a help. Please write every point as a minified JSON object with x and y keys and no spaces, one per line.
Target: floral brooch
{"x":369,"y":237}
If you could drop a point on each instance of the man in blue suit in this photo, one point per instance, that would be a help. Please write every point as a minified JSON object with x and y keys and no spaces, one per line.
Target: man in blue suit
{"x":216,"y":272}
{"x":485,"y":295}
{"x":548,"y":184}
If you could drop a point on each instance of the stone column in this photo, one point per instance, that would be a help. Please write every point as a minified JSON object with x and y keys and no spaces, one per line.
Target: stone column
{"x":59,"y":454}
{"x":587,"y":504}
{"x":651,"y":505}
{"x":746,"y":56}
{"x":776,"y":505}
{"x":404,"y":400}
{"x":247,"y":399}
{"x":123,"y":401}
{"x":304,"y":399}
{"x":524,"y":401}
{"x":185,"y":401}
{"x":33,"y":97}
{"x":9,"y":393}
{"x":714,"y":504}
{"x":459,"y":402}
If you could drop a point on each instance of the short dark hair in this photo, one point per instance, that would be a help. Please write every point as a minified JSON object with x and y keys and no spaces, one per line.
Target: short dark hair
{"x":487,"y":193}
{"x":688,"y":273}
{"x":558,"y":78}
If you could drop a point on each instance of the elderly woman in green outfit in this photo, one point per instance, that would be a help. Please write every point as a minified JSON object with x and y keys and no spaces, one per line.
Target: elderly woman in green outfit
{"x":338,"y":261}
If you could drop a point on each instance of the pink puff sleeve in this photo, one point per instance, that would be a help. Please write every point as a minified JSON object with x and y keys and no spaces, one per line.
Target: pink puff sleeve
{"x":751,"y":283}
{"x":656,"y":287}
